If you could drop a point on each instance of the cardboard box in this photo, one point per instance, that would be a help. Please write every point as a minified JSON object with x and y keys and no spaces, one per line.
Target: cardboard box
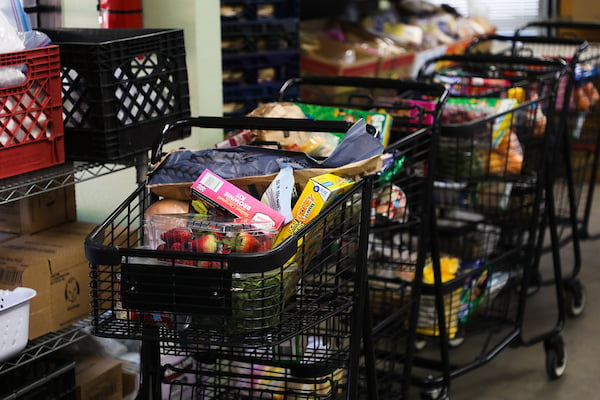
{"x":326,"y":60}
{"x":396,"y":67}
{"x":98,"y":379}
{"x":39,"y":212}
{"x":585,"y":10}
{"x":218,"y":192}
{"x":130,"y":385}
{"x":317,"y":195}
{"x":4,"y":236}
{"x":53,"y":263}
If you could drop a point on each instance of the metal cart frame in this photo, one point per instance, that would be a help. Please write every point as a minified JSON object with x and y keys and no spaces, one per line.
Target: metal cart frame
{"x":495,"y":76}
{"x":401,"y":245}
{"x":155,"y":296}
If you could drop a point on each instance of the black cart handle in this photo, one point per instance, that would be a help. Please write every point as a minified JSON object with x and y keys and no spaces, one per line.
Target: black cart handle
{"x":581,"y":45}
{"x":556,"y":65}
{"x":399,"y":85}
{"x":262,"y":123}
{"x":528,"y":39}
{"x":560,"y":23}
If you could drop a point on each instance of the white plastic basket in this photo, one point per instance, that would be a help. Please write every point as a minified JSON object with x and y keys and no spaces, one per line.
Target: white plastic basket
{"x":14,"y":320}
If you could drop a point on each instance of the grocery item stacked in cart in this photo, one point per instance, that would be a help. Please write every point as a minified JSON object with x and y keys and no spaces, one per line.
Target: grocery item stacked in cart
{"x":491,"y":189}
{"x":246,"y":258}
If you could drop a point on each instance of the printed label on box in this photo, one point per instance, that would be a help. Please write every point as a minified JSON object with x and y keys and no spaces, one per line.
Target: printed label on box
{"x":223,"y":195}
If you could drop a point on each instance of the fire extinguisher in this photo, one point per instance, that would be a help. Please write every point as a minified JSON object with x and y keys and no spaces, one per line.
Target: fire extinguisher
{"x":120,"y":13}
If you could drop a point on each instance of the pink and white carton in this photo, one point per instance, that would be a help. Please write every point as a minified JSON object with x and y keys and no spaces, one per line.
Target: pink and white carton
{"x":217,"y":191}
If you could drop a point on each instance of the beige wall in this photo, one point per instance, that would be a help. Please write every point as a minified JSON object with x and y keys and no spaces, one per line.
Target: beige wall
{"x":201,"y":24}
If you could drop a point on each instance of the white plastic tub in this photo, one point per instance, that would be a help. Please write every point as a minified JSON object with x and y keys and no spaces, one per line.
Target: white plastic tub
{"x":14,"y":321}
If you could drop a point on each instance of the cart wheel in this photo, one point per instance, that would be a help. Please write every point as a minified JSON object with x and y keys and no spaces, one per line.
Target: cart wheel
{"x":556,"y":357}
{"x":458,"y":339}
{"x":420,"y":343}
{"x":437,"y":393}
{"x":575,"y":298}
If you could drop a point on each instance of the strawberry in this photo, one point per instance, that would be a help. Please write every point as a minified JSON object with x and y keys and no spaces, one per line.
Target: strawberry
{"x":210,"y":264}
{"x":244,"y":242}
{"x":205,"y":244}
{"x":177,"y":246}
{"x":176,"y":235}
{"x":162,"y":246}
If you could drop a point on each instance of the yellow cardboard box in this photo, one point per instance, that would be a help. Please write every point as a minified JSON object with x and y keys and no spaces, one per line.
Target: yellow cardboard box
{"x":318,"y":193}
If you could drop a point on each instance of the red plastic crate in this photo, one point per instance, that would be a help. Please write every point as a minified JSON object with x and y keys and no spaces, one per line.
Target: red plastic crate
{"x":31,"y":126}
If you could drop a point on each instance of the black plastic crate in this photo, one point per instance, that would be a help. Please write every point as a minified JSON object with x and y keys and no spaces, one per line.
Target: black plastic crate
{"x":260,"y":68}
{"x":120,"y":87}
{"x":253,"y":36}
{"x":44,"y":378}
{"x":250,"y":10}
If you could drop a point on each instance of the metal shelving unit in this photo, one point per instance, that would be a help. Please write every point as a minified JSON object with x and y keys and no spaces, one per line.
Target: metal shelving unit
{"x":47,"y":344}
{"x":47,"y":179}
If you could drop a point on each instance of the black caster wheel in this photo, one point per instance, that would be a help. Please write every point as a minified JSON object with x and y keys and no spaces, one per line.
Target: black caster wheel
{"x":575,"y":298}
{"x":556,"y":357}
{"x":436,"y":393}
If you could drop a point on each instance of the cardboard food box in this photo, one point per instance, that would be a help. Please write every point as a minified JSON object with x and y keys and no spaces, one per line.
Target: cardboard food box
{"x":396,"y":66}
{"x":98,"y":378}
{"x":227,"y":197}
{"x":334,"y":58}
{"x":39,"y":212}
{"x":381,"y":121}
{"x":53,"y":263}
{"x":319,"y":193}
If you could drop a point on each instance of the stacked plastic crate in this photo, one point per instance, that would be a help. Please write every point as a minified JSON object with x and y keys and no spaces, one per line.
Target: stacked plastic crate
{"x":260,"y":50}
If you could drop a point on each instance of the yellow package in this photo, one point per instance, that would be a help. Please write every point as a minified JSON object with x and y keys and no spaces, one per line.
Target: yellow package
{"x":319,"y":193}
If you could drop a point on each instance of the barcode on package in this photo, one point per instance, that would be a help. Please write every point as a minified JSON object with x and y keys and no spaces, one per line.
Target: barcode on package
{"x":212,"y":182}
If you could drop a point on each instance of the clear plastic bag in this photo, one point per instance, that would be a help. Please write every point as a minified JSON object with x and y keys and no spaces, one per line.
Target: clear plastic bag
{"x":16,"y":35}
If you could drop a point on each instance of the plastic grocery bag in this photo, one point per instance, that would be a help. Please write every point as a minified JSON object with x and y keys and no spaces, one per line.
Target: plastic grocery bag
{"x":15,"y":16}
{"x":15,"y":35}
{"x":10,"y":41}
{"x":358,"y":153}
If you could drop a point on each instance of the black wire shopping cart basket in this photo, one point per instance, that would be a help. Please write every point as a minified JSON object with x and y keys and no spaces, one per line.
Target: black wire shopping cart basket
{"x":575,"y":159}
{"x":278,"y":322}
{"x":401,"y":224}
{"x":490,"y":192}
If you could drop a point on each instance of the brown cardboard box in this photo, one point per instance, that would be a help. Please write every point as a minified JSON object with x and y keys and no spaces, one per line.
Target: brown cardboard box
{"x":580,"y":10}
{"x":4,"y":236}
{"x":98,"y":379}
{"x":585,"y":10}
{"x":53,"y":263}
{"x":39,"y":212}
{"x":325,"y":61}
{"x":130,"y":384}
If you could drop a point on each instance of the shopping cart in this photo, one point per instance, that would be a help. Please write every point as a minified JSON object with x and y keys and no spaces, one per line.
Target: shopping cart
{"x":584,"y":124}
{"x":581,"y":143}
{"x":573,"y":160}
{"x":400,"y":243}
{"x":279,"y":322}
{"x":492,"y":186}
